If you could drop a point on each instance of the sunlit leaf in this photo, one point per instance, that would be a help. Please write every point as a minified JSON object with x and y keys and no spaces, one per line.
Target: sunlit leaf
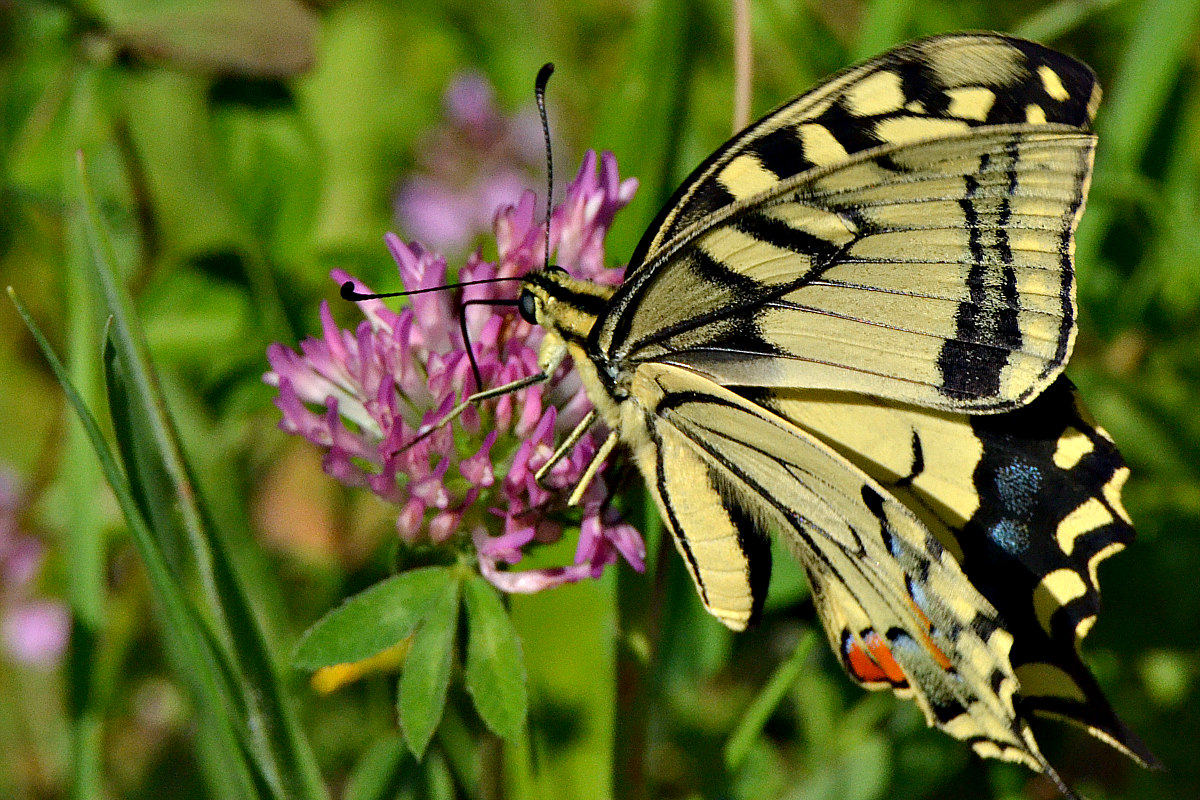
{"x":269,"y":38}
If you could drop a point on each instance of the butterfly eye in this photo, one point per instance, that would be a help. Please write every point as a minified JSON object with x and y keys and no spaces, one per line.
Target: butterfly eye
{"x":527,"y":305}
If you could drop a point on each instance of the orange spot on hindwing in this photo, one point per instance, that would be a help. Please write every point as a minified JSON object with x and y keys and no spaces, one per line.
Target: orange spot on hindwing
{"x":875,"y":664}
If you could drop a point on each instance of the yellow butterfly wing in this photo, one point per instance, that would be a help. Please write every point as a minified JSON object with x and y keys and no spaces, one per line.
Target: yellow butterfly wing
{"x":876,"y":277}
{"x":929,"y":88}
{"x":905,"y":230}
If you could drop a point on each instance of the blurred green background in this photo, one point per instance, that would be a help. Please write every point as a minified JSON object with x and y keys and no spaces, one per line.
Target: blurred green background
{"x":239,"y":150}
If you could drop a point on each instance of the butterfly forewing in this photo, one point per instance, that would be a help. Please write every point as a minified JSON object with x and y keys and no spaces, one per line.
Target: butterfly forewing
{"x":943,"y":278}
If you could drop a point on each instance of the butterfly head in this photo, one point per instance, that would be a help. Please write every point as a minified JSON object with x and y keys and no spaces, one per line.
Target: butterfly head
{"x":553,"y":299}
{"x":536,"y":291}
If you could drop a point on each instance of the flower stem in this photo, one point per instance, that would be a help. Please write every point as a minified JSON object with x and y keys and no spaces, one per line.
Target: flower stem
{"x":743,"y":64}
{"x":639,"y":609}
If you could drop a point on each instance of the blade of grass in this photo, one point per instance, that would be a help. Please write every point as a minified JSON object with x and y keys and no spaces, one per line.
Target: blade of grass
{"x":186,"y":633}
{"x":148,"y":439}
{"x":764,"y":704}
{"x":130,"y":344}
{"x":84,"y":533}
{"x":377,"y":775}
{"x":1167,"y":272}
{"x":136,"y":448}
{"x":644,"y":122}
{"x":1158,"y":48}
{"x":1058,"y":19}
{"x":638,"y":670}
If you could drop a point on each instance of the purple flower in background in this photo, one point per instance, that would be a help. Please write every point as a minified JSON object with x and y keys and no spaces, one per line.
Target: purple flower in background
{"x":364,"y":395}
{"x":33,"y":631}
{"x":476,"y":162}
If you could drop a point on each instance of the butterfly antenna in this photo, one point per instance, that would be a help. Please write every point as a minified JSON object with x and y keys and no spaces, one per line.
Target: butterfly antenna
{"x":348,"y":292}
{"x":539,"y":91}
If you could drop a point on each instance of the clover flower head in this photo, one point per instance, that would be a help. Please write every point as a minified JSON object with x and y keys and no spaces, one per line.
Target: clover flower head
{"x":367,"y":395}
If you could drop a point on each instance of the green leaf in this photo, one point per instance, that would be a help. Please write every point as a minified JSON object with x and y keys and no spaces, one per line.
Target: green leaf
{"x":372,"y":621}
{"x":266,"y":38}
{"x":495,"y":674}
{"x":426,"y":675}
{"x":198,"y":218}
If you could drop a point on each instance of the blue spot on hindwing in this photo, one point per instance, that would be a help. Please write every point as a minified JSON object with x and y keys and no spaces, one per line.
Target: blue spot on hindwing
{"x":1010,"y":535}
{"x":1017,"y":485}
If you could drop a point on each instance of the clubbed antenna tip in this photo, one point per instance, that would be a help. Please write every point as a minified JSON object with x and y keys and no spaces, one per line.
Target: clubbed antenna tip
{"x":539,"y":91}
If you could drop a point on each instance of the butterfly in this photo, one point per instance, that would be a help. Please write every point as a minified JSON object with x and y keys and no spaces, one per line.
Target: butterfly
{"x":848,"y":327}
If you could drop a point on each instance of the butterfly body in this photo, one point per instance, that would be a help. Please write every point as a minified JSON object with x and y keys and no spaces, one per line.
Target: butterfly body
{"x":848,"y":327}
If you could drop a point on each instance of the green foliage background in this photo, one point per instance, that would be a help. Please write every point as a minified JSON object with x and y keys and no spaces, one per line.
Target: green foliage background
{"x":233,"y":177}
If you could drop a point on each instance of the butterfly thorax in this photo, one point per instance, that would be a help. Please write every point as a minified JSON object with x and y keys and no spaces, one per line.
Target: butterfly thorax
{"x":568,"y":309}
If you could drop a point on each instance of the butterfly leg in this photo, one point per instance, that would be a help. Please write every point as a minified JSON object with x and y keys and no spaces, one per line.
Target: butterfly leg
{"x":593,"y":467}
{"x":553,"y":351}
{"x":572,"y":438}
{"x":456,"y":412}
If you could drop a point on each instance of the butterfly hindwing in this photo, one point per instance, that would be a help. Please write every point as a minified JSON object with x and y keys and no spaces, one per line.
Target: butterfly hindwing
{"x":942,"y":279}
{"x":726,"y":552}
{"x":1029,"y":504}
{"x":894,"y":603}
